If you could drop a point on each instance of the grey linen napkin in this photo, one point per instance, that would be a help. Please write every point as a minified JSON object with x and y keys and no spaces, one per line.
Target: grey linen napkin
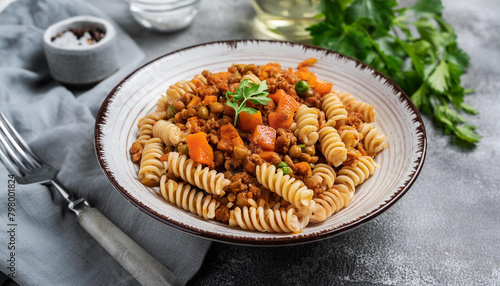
{"x":50,"y":247}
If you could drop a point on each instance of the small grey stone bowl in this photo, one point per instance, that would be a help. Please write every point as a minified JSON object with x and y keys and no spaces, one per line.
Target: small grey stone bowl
{"x":81,"y":65}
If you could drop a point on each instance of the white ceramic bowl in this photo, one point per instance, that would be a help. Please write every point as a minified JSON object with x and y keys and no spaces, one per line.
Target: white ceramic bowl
{"x":137,"y":94}
{"x":81,"y":65}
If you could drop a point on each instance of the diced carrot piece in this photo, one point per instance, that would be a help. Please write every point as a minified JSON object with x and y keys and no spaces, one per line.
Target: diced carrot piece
{"x":268,"y":155}
{"x":277,"y":95}
{"x":227,"y":134}
{"x":263,"y":75}
{"x":209,"y":99}
{"x":164,"y":157}
{"x":248,"y":121}
{"x":323,"y":87}
{"x":199,"y":149}
{"x":287,"y":105}
{"x":197,"y":82}
{"x":264,"y":136}
{"x":313,"y":82}
{"x":305,"y":74}
{"x":307,"y":63}
{"x":237,"y":141}
{"x":302,"y":167}
{"x":194,"y":102}
{"x":224,"y":76}
{"x":280,"y":120}
{"x":270,"y":66}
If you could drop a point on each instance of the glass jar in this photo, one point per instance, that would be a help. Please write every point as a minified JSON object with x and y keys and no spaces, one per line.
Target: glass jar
{"x":286,"y":19}
{"x":164,"y":15}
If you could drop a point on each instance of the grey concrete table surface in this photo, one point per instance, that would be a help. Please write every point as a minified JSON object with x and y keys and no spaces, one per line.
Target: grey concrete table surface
{"x":445,"y":230}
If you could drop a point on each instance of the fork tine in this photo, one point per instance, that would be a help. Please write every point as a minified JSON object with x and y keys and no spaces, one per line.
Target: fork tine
{"x":13,"y":156}
{"x":8,"y":164}
{"x":18,"y":143}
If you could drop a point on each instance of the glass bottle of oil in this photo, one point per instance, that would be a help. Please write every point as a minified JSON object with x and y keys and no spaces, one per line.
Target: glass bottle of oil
{"x":286,"y":19}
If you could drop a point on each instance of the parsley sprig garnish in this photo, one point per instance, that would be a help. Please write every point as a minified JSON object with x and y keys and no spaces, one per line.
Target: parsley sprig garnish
{"x":256,"y":93}
{"x":414,"y":46}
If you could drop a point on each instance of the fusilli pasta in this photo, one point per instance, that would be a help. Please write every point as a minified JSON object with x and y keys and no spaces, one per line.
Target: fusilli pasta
{"x":162,"y":104}
{"x":201,"y":78}
{"x":168,"y":132}
{"x":329,"y":202}
{"x":292,"y":190}
{"x":373,"y":141}
{"x":325,"y":174}
{"x":334,"y":110}
{"x":307,"y":125}
{"x":151,"y":168}
{"x":275,"y":219}
{"x":349,"y":135}
{"x":332,"y":146}
{"x":146,"y":126}
{"x":355,"y":105}
{"x":204,"y":178}
{"x":350,"y":176}
{"x":179,"y":89}
{"x":251,"y":77}
{"x":188,"y":198}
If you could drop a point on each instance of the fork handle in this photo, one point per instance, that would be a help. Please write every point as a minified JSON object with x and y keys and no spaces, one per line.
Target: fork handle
{"x":140,"y":264}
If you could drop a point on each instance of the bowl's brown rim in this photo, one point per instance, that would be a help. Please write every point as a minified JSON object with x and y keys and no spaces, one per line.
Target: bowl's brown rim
{"x":285,"y":239}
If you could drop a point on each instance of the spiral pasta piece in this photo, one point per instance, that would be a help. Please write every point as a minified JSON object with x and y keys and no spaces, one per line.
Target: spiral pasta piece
{"x":168,"y":132}
{"x":328,"y":203}
{"x":146,"y":126}
{"x":188,"y":198}
{"x":334,"y":110}
{"x":292,"y":190}
{"x":352,"y":104}
{"x":307,"y":125}
{"x":325,"y":174}
{"x":350,"y":176}
{"x":252,"y":78}
{"x":373,"y":141}
{"x":275,"y":219}
{"x":179,"y":89}
{"x":194,"y":173}
{"x":349,"y":135}
{"x":151,"y":168}
{"x":162,"y":104}
{"x":201,"y":78}
{"x":332,"y":146}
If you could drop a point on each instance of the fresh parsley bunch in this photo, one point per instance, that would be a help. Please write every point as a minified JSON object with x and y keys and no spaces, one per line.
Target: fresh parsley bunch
{"x":255,"y":93}
{"x":413,"y":46}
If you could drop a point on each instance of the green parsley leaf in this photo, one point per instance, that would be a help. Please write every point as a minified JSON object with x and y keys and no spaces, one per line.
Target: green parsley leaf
{"x":428,"y":6}
{"x":256,"y":93}
{"x":469,"y":108}
{"x":419,"y":95}
{"x":466,"y":132}
{"x":440,"y":77}
{"x":376,"y":10}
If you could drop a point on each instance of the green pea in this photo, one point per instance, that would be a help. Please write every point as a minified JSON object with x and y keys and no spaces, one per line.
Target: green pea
{"x":203,"y":112}
{"x":287,"y":170}
{"x":295,"y":151}
{"x":302,"y":147}
{"x":282,"y":165}
{"x":302,"y":87}
{"x":170,"y":111}
{"x":183,"y":150}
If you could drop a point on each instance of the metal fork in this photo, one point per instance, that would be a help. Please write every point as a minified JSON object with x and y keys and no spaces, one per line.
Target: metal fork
{"x":20,"y":160}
